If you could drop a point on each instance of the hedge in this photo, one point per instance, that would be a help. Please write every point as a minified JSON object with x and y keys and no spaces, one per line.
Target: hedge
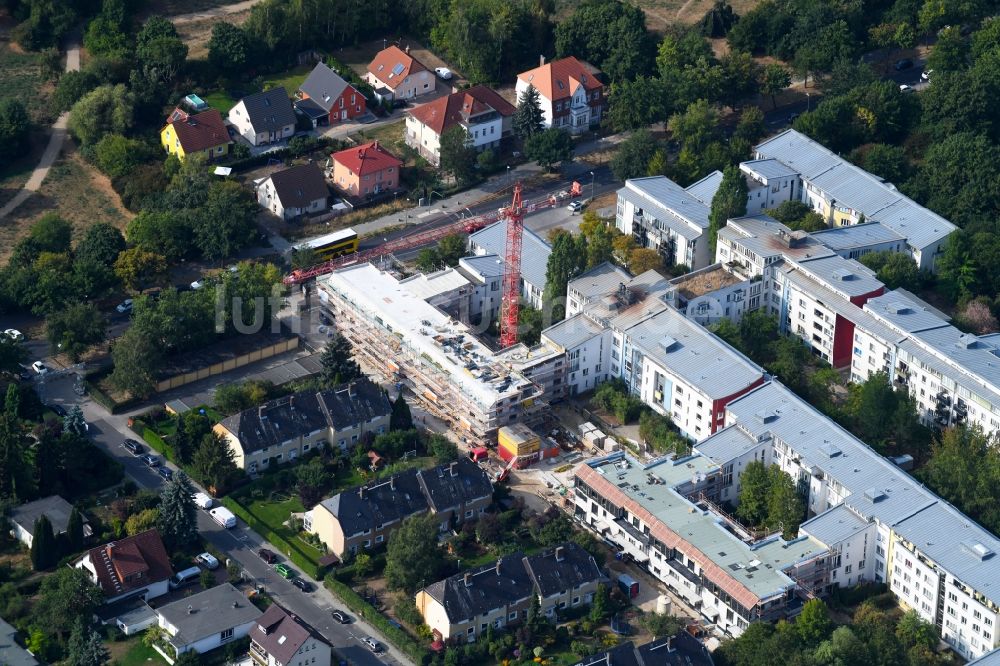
{"x":156,"y":443}
{"x":105,"y":401}
{"x":297,"y":557}
{"x":402,"y":640}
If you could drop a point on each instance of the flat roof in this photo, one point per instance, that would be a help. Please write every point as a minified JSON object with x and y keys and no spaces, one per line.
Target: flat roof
{"x":599,"y":281}
{"x":694,"y":353}
{"x":704,"y":281}
{"x":447,"y":343}
{"x":975,"y":358}
{"x":483,"y":265}
{"x":766,"y":237}
{"x":758,"y":569}
{"x":844,"y":276}
{"x":429,"y":285}
{"x":835,"y":525}
{"x":726,"y":444}
{"x":901,"y":312}
{"x":769,"y":168}
{"x":572,"y":332}
{"x":704,"y":190}
{"x":857,"y":235}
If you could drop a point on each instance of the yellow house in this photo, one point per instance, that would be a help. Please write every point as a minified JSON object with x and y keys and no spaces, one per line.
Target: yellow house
{"x":203,"y":133}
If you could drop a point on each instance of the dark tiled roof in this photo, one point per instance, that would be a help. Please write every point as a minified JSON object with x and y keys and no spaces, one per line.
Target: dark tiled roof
{"x":385,"y":501}
{"x":199,"y":131}
{"x":324,"y":86}
{"x":269,"y":111}
{"x":310,"y":108}
{"x":280,"y":634}
{"x":562,"y":568}
{"x":448,"y":486}
{"x":131,"y":563}
{"x":484,"y":588}
{"x":680,"y":650}
{"x":299,"y":186}
{"x":299,"y":414}
{"x":54,"y":507}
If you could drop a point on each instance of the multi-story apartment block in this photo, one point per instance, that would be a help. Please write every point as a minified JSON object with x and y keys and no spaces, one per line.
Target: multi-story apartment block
{"x":713,"y":294}
{"x":281,"y":639}
{"x":660,"y":214}
{"x":570,"y":92}
{"x":492,"y":240}
{"x":287,"y":428}
{"x":466,"y":605}
{"x":410,"y":331}
{"x":365,"y":516}
{"x":792,"y":167}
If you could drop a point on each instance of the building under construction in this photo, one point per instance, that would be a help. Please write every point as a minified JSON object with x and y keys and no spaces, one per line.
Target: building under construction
{"x":410,"y":330}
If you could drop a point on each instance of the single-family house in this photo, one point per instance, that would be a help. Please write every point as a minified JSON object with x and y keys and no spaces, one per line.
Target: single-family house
{"x":365,"y":170}
{"x":205,"y":621}
{"x":55,"y":508}
{"x":131,"y":567}
{"x":202,"y":133}
{"x":570,"y":92}
{"x":281,"y":639}
{"x":395,"y":74}
{"x":295,"y":191}
{"x":326,"y":98}
{"x":11,"y":653}
{"x":287,"y":428}
{"x":265,"y":117}
{"x":365,"y":516}
{"x":466,"y":605}
{"x":485,"y":116}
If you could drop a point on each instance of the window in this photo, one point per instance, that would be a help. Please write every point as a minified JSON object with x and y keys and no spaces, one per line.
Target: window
{"x":226,"y":634}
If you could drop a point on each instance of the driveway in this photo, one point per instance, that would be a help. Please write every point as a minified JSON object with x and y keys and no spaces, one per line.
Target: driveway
{"x":56,"y":140}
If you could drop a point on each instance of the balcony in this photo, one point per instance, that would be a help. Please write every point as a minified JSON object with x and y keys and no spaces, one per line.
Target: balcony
{"x":258,"y":654}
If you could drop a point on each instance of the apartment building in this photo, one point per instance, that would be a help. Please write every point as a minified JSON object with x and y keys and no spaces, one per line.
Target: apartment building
{"x":878,"y":523}
{"x":465,"y":606}
{"x":282,"y":639}
{"x":748,"y":245}
{"x":570,"y":92}
{"x":365,"y":516}
{"x":411,"y":330}
{"x":661,"y":215}
{"x":792,"y":167}
{"x":682,"y":649}
{"x":712,"y":294}
{"x":480,"y":111}
{"x":287,"y":428}
{"x":492,"y":240}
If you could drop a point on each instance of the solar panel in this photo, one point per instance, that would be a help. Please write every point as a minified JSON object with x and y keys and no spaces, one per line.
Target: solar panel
{"x":398,"y":69}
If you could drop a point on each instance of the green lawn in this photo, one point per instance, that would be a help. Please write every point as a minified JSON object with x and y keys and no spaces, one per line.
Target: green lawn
{"x":219,"y":99}
{"x":274,"y":513}
{"x":24,"y":76}
{"x":290,"y":79}
{"x":140,"y":655}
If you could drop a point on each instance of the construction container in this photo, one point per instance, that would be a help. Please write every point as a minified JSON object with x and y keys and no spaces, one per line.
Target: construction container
{"x":479,"y":454}
{"x":517,"y":440}
{"x":550,"y":449}
{"x":628,"y":585}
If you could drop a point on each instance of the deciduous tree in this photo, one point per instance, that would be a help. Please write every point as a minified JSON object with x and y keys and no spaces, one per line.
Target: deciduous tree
{"x":631,"y":160}
{"x":136,"y":267}
{"x":549,"y":147}
{"x":75,"y":329}
{"x":103,"y":110}
{"x":730,"y":201}
{"x":15,"y":128}
{"x":774,"y":78}
{"x":458,"y":157}
{"x":228,"y":47}
{"x":412,"y":558}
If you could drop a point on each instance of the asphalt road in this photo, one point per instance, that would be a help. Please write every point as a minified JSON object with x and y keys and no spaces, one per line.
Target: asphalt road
{"x":239,"y":544}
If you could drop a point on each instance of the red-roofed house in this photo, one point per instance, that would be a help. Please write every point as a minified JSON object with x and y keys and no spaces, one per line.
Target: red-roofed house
{"x":366,"y":169}
{"x":203,"y":133}
{"x":131,"y":567}
{"x":484,"y":114}
{"x":572,"y":96}
{"x":395,"y":74}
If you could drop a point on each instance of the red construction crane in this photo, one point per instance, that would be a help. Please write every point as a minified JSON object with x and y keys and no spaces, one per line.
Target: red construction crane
{"x":510,"y":301}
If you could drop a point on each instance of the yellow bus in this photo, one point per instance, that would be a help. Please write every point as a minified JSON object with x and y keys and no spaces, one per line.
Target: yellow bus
{"x":332,"y":245}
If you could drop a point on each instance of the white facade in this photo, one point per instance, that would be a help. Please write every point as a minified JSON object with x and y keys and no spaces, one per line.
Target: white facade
{"x":267,"y":197}
{"x":661,"y":215}
{"x":240,"y":119}
{"x":414,"y":85}
{"x":481,"y":135}
{"x":151,"y":591}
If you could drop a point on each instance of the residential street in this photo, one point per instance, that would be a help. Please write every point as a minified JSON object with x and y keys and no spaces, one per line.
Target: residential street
{"x":239,"y":544}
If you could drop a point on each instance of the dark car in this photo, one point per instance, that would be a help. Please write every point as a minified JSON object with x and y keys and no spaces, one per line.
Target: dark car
{"x":165,"y":472}
{"x":905,"y":63}
{"x":133,"y":447}
{"x":267,"y":555}
{"x":58,"y":409}
{"x":303,"y":585}
{"x":340,"y":616}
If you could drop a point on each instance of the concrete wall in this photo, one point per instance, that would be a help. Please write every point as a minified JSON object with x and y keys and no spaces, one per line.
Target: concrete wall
{"x":261,"y":354}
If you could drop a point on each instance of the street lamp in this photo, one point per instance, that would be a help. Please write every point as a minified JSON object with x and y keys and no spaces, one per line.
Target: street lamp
{"x":808,"y":102}
{"x":591,"y":186}
{"x":508,"y":175}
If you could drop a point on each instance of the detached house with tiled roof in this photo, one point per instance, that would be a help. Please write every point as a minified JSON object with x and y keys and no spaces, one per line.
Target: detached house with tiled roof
{"x":365,"y":170}
{"x":265,"y":117}
{"x":131,"y":567}
{"x":395,"y":74}
{"x":202,"y":133}
{"x":281,"y":639}
{"x":295,"y":191}
{"x":570,"y":91}
{"x":327,"y":99}
{"x":485,"y":116}
{"x":287,"y":428}
{"x":365,"y":516}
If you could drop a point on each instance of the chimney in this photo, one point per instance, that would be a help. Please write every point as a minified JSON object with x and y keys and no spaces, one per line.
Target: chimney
{"x":375,"y":144}
{"x":541,"y":60}
{"x":190,"y":610}
{"x":407,"y":49}
{"x":468,"y":579}
{"x":559,"y":553}
{"x":453,"y":468}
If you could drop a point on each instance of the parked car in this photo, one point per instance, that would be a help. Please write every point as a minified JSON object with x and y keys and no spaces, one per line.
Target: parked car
{"x":284,"y":571}
{"x":150,"y":460}
{"x":340,"y":616}
{"x":58,"y":409}
{"x":267,"y":555}
{"x":207,"y":560}
{"x":40,"y":368}
{"x":166,"y":473}
{"x":303,"y":585}
{"x":133,"y":447}
{"x":372,"y":644}
{"x":183,"y":577}
{"x":904,"y":63}
{"x":575,"y":206}
{"x":926,"y":75}
{"x":14,"y":334}
{"x":903,"y":88}
{"x":443,"y":73}
{"x":124,"y":306}
{"x":202,"y":501}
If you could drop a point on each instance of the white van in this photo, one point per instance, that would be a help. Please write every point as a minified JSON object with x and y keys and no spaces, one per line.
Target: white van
{"x":223,"y":516}
{"x":182,"y":577}
{"x":202,"y":501}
